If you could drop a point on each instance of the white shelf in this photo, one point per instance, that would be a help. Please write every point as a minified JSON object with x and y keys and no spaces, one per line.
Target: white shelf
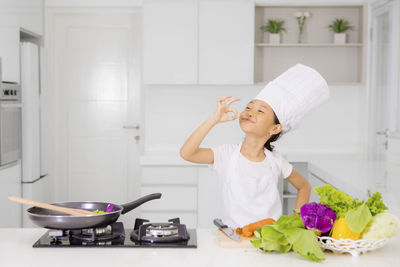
{"x":309,"y":45}
{"x":341,"y":64}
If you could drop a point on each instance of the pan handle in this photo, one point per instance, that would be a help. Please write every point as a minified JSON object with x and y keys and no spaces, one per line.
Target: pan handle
{"x":134,"y":204}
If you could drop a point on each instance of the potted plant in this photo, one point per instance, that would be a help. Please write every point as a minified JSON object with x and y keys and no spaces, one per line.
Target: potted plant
{"x":339,"y":27}
{"x":301,"y":20}
{"x":274,"y":27}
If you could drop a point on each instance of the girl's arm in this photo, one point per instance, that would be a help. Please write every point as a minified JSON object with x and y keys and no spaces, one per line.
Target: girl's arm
{"x":303,"y":188}
{"x":191,"y":150}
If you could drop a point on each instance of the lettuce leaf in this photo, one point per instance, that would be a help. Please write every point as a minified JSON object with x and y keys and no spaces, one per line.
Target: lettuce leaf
{"x":358,"y":218}
{"x":287,"y":234}
{"x":293,"y":221}
{"x":304,"y":242}
{"x":338,"y":201}
{"x":375,"y":204}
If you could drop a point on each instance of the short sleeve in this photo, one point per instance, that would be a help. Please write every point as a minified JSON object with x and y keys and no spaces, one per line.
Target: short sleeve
{"x":284,"y":166}
{"x":222,"y":154}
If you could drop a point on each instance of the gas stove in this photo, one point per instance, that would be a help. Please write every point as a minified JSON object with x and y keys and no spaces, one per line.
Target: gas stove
{"x":171,"y":234}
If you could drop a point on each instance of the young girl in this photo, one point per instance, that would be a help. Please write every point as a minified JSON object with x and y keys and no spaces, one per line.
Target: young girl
{"x":249,"y":171}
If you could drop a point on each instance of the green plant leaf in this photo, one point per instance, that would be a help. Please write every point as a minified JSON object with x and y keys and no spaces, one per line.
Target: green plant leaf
{"x":273,"y":26}
{"x":375,"y":204}
{"x":269,"y":233}
{"x":304,"y":242}
{"x":340,"y":26}
{"x":357,"y":219}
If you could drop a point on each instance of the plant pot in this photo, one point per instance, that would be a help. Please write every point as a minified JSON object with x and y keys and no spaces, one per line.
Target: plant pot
{"x":274,"y":38}
{"x":339,"y":38}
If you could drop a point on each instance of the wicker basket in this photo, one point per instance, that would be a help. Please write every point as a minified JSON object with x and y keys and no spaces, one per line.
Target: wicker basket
{"x":354,"y":247}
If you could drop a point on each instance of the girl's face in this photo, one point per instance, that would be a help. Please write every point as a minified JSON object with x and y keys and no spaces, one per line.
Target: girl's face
{"x":258,"y":119}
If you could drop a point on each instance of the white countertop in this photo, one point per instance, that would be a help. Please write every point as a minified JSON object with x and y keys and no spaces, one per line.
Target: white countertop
{"x":351,"y":173}
{"x":16,"y":250}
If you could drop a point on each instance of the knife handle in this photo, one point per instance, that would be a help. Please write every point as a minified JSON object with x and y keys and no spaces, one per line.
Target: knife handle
{"x":219,"y":223}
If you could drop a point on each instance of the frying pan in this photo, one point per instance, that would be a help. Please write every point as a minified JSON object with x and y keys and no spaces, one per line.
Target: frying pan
{"x":57,"y":220}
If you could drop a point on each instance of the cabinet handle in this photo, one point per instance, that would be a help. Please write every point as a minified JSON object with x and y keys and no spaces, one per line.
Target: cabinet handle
{"x":136,"y":127}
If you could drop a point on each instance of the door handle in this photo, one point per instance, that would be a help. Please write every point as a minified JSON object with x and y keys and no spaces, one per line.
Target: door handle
{"x":130,"y":127}
{"x":385,"y":133}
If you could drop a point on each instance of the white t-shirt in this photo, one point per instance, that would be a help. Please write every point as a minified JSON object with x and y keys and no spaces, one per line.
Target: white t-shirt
{"x":249,"y":192}
{"x":245,"y":167}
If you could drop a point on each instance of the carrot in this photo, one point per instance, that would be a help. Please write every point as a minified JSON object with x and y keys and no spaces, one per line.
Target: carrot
{"x":248,"y":230}
{"x":238,"y":230}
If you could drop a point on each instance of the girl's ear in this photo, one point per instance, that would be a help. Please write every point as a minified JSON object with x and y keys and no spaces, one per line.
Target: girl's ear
{"x":276,"y":129}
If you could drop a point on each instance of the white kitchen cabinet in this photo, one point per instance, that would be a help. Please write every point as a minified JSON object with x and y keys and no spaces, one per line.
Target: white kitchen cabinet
{"x":31,"y":16}
{"x":25,"y":15}
{"x":178,"y":186}
{"x":210,"y":201}
{"x":170,"y":42}
{"x":174,"y":198}
{"x":226,"y":42}
{"x":9,"y":53}
{"x":10,"y":185}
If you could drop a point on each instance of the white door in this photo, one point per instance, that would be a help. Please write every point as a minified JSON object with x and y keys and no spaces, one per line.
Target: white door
{"x":96,"y":59}
{"x":383,"y":77}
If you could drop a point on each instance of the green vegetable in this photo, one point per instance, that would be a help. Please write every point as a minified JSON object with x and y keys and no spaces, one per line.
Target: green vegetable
{"x":375,"y":204}
{"x":358,"y":218}
{"x":287,"y":234}
{"x":338,"y":201}
{"x":99,"y":211}
{"x":287,"y":222}
{"x":383,"y":225}
{"x":357,"y":213}
{"x":304,"y":242}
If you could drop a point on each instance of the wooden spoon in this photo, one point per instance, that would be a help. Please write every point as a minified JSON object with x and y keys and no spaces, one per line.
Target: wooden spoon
{"x":71,"y":211}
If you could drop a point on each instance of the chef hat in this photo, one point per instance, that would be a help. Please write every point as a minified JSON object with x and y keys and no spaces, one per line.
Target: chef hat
{"x":294,"y":93}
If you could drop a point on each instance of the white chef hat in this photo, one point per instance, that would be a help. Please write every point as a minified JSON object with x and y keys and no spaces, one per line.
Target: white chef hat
{"x":294,"y":93}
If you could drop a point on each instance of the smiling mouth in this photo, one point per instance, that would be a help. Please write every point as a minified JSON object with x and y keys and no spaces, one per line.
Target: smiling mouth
{"x":247,"y":120}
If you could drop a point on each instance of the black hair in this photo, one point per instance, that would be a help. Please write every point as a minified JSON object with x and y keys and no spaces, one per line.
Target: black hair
{"x":274,"y":137}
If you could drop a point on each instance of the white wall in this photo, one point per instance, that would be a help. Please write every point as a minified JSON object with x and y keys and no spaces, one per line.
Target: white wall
{"x":172,"y":113}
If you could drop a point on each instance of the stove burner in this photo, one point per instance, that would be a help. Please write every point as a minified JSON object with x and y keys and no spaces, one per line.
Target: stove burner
{"x":92,"y":235}
{"x":161,"y":229}
{"x":159,"y":232}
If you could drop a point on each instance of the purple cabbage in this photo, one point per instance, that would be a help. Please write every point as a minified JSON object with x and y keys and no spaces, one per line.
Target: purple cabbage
{"x":317,"y":217}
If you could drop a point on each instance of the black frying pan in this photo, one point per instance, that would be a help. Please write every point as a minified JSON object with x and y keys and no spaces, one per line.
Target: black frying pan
{"x":56,"y":220}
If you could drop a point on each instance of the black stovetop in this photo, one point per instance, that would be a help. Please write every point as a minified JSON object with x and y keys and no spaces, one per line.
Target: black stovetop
{"x":124,"y":240}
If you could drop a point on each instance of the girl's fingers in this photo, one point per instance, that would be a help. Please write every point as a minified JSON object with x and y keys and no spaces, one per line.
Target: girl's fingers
{"x":222,"y":99}
{"x":235,"y":114}
{"x":234,"y":111}
{"x":231,"y":118}
{"x":233,"y":100}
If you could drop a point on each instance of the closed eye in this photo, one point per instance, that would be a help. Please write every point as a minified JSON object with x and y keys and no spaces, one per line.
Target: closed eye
{"x":260,"y":111}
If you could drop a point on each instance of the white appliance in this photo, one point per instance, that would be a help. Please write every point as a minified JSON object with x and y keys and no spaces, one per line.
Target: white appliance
{"x":10,"y":123}
{"x":35,"y":184}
